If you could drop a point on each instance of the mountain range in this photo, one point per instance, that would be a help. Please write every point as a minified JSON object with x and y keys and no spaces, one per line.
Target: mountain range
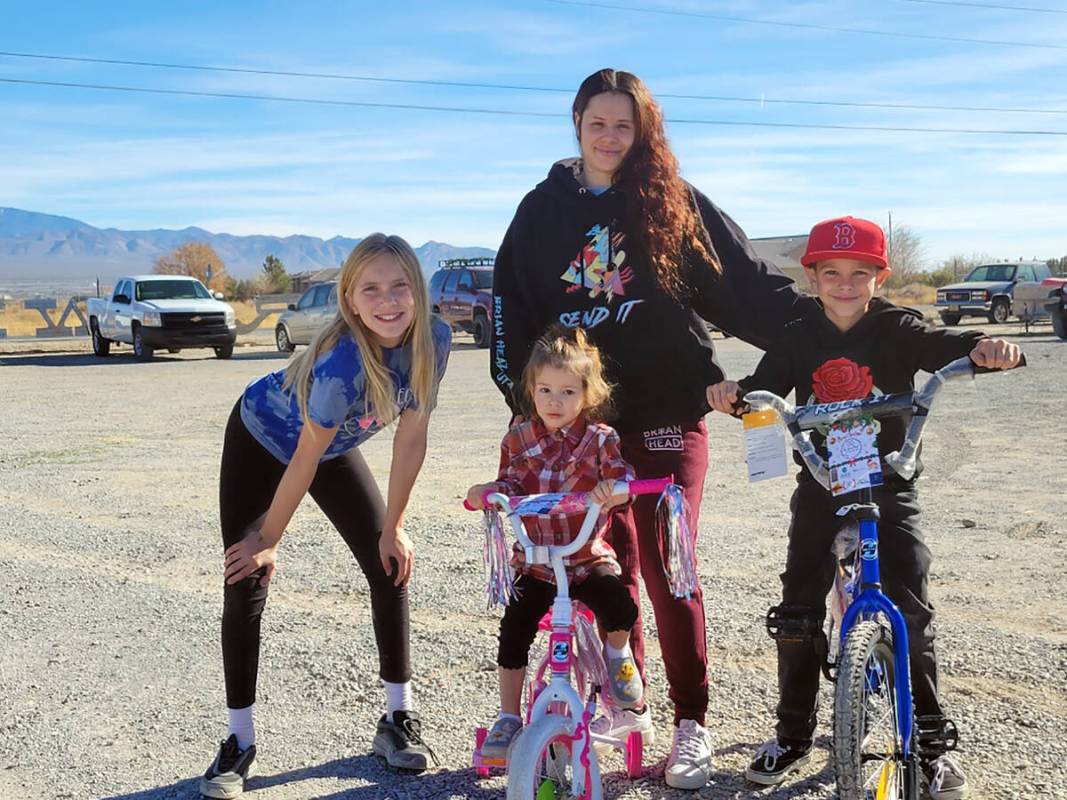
{"x":35,"y":246}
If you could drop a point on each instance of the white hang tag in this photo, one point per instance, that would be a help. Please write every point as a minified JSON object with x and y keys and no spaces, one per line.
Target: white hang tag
{"x":765,"y":450}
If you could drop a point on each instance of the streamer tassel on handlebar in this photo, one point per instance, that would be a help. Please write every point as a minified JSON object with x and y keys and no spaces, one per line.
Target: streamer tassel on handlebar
{"x":676,"y":542}
{"x":500,"y":580}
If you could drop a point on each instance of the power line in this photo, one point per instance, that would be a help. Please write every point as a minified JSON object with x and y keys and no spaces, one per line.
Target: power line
{"x":806,"y":25}
{"x":992,"y":6}
{"x":509,"y":113}
{"x":518,"y":87}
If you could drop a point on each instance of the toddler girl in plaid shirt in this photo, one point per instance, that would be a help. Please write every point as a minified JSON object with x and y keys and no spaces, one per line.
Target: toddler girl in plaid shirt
{"x":562,"y":446}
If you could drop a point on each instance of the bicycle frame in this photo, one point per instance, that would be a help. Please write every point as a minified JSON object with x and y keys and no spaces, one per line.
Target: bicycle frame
{"x":867,"y":599}
{"x":559,"y":688}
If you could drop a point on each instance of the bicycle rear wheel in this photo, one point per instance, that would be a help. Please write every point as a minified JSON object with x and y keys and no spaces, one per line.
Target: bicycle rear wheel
{"x":869,"y":756}
{"x":542,"y":754}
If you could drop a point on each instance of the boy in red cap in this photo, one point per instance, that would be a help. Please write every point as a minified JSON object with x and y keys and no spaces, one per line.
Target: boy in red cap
{"x":855,"y":346}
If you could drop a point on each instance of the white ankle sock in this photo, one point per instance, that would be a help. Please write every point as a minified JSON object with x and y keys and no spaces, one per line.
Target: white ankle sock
{"x":242,"y":725}
{"x":623,"y":652}
{"x":397,"y":698}
{"x":508,"y":715}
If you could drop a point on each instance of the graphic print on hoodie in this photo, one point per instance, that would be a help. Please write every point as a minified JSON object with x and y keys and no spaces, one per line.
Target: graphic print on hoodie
{"x":599,"y":265}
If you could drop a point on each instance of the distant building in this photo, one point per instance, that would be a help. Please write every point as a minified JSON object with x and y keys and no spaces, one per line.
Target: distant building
{"x":302,"y":280}
{"x":784,"y":252}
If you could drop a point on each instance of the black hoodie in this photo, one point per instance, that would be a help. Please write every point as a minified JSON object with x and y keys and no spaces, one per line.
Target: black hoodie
{"x":567,"y":257}
{"x":878,"y":355}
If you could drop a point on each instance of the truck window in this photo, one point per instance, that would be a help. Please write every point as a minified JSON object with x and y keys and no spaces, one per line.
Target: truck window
{"x":322,"y":294}
{"x":172,"y":290}
{"x":483,"y":278}
{"x":307,"y":299}
{"x":466,"y":283}
{"x":332,"y":299}
{"x":437,"y":279}
{"x":1026,"y":273}
{"x":992,"y":272}
{"x":450,"y":283}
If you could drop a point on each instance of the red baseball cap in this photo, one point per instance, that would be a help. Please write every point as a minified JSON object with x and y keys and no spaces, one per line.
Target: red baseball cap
{"x":846,"y":237}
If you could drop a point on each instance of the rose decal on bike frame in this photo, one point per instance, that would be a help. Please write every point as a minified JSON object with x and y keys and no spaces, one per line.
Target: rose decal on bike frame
{"x":841,"y":379}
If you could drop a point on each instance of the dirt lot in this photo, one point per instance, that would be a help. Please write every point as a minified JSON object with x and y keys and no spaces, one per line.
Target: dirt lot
{"x":110,"y":574}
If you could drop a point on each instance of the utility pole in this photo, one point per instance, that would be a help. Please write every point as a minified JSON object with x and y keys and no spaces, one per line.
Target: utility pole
{"x":889,"y":249}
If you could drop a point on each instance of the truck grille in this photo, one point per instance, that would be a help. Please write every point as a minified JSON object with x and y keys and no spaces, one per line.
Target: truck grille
{"x":205,"y":322}
{"x":958,"y":297}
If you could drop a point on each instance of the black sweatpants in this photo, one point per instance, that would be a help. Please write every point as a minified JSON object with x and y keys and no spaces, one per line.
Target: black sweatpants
{"x":346,"y":492}
{"x":809,"y":575}
{"x":602,"y":591}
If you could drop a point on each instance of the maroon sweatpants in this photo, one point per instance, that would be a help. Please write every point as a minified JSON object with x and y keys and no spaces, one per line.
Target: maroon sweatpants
{"x":682,"y":451}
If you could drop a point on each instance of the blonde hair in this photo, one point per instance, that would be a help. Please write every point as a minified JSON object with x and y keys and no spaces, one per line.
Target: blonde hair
{"x":380,"y":390}
{"x":571,"y":351}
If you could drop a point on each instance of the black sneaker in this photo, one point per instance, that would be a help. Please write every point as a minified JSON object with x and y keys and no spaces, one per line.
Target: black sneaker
{"x":944,"y":779}
{"x":232,"y":767}
{"x":400,"y":742}
{"x":773,"y":763}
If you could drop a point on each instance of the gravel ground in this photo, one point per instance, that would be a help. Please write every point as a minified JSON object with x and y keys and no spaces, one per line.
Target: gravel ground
{"x":110,"y":562}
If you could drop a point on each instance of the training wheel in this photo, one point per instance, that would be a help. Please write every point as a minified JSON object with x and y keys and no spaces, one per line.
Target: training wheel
{"x":635,"y":747}
{"x":476,"y":759}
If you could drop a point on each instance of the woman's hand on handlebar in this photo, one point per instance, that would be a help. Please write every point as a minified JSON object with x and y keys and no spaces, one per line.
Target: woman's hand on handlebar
{"x":476,"y":495}
{"x":996,"y":354}
{"x":723,"y":396}
{"x":603,"y":494}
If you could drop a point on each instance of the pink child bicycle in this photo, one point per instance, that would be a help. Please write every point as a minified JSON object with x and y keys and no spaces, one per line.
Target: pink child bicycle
{"x":554,"y":756}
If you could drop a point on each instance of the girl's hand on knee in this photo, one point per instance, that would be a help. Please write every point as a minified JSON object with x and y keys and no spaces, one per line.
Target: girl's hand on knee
{"x":395,"y":546}
{"x":249,"y":555}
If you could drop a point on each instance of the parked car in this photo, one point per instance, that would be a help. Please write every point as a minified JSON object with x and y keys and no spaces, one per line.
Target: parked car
{"x":154,"y":311}
{"x":315,"y":308}
{"x":988,"y":291}
{"x":1057,"y":308}
{"x":461,"y":293}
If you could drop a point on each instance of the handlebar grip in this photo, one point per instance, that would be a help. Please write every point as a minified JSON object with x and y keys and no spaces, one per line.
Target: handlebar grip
{"x":650,"y":486}
{"x":468,"y":506}
{"x":986,"y":370}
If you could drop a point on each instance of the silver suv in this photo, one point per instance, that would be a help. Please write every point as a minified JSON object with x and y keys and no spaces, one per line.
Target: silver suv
{"x":315,"y":308}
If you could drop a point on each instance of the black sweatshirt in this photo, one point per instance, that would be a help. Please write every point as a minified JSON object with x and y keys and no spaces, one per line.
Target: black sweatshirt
{"x":878,"y":355}
{"x":567,"y":257}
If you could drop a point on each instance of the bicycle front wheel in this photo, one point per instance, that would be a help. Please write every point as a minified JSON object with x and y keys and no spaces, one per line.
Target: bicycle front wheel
{"x":542,"y":755}
{"x":869,"y":756}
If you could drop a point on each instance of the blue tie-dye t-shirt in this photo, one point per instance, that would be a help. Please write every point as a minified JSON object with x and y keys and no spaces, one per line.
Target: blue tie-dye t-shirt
{"x":337,"y":397}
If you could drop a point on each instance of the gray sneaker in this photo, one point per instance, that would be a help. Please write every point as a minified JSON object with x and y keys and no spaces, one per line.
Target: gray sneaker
{"x":232,"y":767}
{"x":500,"y":738}
{"x":400,"y":742}
{"x":945,"y":779}
{"x":624,"y":683}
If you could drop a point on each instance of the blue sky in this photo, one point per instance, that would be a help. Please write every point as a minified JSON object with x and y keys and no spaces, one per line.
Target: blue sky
{"x":245,"y":166}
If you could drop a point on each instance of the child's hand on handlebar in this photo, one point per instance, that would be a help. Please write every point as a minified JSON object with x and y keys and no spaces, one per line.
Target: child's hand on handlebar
{"x":602,"y":494}
{"x":996,"y":354}
{"x":723,"y":396}
{"x":476,"y":495}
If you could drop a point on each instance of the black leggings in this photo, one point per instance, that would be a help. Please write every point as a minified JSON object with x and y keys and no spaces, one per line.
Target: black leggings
{"x":346,"y":492}
{"x":602,"y":591}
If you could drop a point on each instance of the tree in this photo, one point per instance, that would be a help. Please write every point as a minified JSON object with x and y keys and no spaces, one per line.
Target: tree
{"x":1058,"y":265}
{"x":275,"y":278}
{"x":195,"y":259}
{"x":906,"y":256}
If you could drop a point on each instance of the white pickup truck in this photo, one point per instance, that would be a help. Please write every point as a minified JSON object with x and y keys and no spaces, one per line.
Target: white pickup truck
{"x":161,"y":311}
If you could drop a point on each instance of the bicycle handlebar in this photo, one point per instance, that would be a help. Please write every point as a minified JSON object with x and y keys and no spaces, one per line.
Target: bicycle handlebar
{"x":633,"y":488}
{"x":800,"y":420}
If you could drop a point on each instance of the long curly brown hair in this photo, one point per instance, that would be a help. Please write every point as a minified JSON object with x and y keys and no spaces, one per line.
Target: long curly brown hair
{"x":660,"y":212}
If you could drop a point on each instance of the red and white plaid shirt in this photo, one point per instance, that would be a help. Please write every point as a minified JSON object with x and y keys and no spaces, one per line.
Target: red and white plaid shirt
{"x":534,"y":460}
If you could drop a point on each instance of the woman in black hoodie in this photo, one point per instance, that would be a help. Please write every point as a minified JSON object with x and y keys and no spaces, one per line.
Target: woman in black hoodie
{"x":617,"y":243}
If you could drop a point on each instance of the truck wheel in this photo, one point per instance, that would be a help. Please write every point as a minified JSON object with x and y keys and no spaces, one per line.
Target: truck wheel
{"x":101,"y":346}
{"x":224,"y":352}
{"x":141,"y":351}
{"x":951,"y":319}
{"x":281,"y":339}
{"x":1000,"y":312}
{"x":1059,"y":323}
{"x":481,"y":331}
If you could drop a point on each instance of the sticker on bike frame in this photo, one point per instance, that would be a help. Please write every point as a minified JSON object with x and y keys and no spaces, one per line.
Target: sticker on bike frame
{"x":854,"y":462}
{"x":545,"y":505}
{"x":561,"y":651}
{"x":869,"y":550}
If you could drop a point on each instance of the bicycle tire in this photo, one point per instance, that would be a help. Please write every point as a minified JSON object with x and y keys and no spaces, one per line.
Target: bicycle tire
{"x":526,"y":765}
{"x":869,"y":761}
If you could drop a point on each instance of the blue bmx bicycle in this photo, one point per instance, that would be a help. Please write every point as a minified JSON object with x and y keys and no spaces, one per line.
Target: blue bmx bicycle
{"x":875,"y":749}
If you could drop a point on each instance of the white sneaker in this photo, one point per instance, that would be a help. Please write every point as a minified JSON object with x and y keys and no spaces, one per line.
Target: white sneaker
{"x":689,"y":766}
{"x":619,"y":723}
